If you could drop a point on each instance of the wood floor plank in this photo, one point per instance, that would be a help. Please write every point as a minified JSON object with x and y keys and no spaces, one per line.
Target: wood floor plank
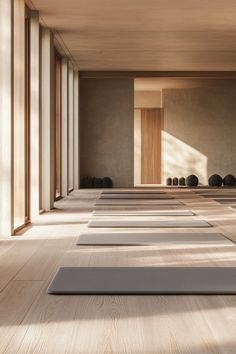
{"x":47,"y":327}
{"x":15,"y":258}
{"x":5,"y":245}
{"x":45,"y":260}
{"x":15,"y":301}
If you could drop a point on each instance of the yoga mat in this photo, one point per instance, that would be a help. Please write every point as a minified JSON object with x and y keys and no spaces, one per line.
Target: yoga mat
{"x":225,"y":201}
{"x":144,"y":281}
{"x":139,"y":208}
{"x":136,"y":202}
{"x":136,"y":196}
{"x":124,"y":238}
{"x":148,"y":223}
{"x":216,"y":196}
{"x":208,"y":189}
{"x":215,"y":190}
{"x":135,"y":191}
{"x":143,"y":213}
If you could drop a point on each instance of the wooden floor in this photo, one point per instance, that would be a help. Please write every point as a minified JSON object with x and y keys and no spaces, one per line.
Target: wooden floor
{"x":33,"y":322}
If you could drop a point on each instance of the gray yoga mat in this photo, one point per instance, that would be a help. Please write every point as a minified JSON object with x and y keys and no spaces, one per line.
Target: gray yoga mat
{"x":124,"y":238}
{"x":148,"y":223}
{"x":226,"y":200}
{"x":136,"y":196}
{"x":216,"y":196}
{"x":137,"y":202}
{"x":143,"y":213}
{"x":135,"y":191}
{"x":215,"y":190}
{"x":144,"y":281}
{"x":140,"y":208}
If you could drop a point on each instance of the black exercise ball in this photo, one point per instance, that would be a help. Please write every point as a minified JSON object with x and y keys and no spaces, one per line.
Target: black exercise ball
{"x":215,"y":181}
{"x":86,"y":182}
{"x":97,"y":182}
{"x":229,"y":180}
{"x":107,"y":182}
{"x":82,"y":183}
{"x":94,"y":179}
{"x":90,"y":182}
{"x":182,"y":181}
{"x":192,"y":181}
{"x":169,"y":181}
{"x":175,"y":181}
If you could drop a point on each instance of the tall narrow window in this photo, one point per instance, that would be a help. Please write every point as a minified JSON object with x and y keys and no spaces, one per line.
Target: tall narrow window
{"x":21,"y":109}
{"x":57,"y":126}
{"x":27,"y":116}
{"x":71,"y":128}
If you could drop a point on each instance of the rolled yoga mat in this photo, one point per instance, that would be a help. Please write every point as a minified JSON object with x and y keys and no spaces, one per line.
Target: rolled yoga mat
{"x":148,"y":223}
{"x":126,"y":239}
{"x":144,"y":281}
{"x":143,"y":213}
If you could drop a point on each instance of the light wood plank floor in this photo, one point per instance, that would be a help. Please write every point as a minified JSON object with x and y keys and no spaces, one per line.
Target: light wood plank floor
{"x":33,"y":322}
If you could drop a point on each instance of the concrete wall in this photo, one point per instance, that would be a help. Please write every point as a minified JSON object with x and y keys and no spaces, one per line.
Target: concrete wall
{"x":107,"y":129}
{"x":199,"y":131}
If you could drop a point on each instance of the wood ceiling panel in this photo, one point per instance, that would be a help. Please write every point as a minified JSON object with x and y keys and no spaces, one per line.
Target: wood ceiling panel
{"x":145,"y":35}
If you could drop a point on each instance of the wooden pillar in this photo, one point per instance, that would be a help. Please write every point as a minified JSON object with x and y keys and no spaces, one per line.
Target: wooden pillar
{"x":34,"y":115}
{"x":6,"y":118}
{"x":47,"y":119}
{"x":19,"y":115}
{"x":65,"y":111}
{"x":76,"y":130}
{"x":71,"y":127}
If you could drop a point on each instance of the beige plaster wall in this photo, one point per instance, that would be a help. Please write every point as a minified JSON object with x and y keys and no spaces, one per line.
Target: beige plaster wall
{"x":199,"y":131}
{"x":107,"y":129}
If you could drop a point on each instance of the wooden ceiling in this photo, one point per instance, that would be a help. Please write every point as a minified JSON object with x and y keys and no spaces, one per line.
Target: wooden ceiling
{"x":145,"y":35}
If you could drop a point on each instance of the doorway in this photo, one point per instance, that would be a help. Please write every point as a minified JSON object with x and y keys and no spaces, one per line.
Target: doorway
{"x":148,"y":125}
{"x":151,"y":127}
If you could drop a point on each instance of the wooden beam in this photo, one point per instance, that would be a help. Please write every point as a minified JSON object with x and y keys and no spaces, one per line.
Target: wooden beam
{"x":170,"y":74}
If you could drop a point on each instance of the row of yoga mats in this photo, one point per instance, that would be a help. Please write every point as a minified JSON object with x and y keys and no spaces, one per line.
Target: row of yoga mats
{"x":145,"y":280}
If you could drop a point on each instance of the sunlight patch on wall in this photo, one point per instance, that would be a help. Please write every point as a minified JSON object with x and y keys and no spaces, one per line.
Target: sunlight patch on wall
{"x":181,"y":160}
